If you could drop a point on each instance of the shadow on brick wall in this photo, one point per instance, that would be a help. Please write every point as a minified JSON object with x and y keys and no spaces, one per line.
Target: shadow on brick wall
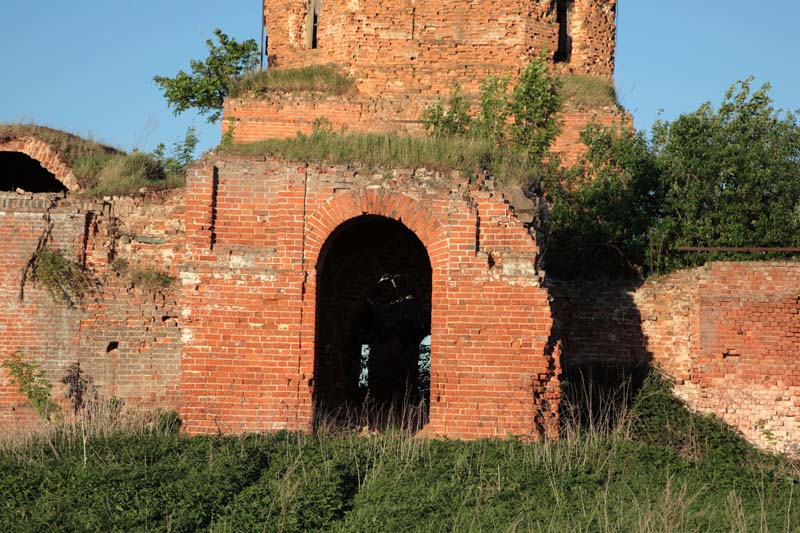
{"x":604,"y":356}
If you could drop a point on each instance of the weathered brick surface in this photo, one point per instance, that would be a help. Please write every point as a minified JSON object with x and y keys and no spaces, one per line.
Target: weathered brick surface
{"x":143,"y":368}
{"x":282,"y":115}
{"x":254,"y":234}
{"x":405,"y":55}
{"x":728,"y":332}
{"x":408,"y":47}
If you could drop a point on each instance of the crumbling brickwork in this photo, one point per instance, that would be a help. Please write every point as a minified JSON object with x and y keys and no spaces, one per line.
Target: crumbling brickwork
{"x":729,"y":333}
{"x":255,"y":232}
{"x":285,"y":115}
{"x":405,"y":55}
{"x":422,"y":48}
{"x":124,"y":336}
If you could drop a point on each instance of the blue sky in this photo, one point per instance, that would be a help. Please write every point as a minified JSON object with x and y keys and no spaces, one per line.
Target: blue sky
{"x":87,"y":65}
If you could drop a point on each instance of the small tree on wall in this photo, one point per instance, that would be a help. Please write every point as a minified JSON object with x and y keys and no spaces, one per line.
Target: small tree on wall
{"x":527,"y":119}
{"x":210,"y":80}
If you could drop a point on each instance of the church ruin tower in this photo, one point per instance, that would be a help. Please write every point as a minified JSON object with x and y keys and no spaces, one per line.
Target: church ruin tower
{"x":406,"y":54}
{"x":422,"y":47}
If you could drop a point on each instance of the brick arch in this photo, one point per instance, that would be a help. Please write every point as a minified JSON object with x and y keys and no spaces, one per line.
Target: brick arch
{"x":345,"y":206}
{"x":47,"y":156}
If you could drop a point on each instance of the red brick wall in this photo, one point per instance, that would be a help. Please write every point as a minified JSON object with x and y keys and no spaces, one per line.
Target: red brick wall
{"x":423,"y":48}
{"x":144,"y":369}
{"x":728,"y":332}
{"x":284,"y":115}
{"x":254,"y":233}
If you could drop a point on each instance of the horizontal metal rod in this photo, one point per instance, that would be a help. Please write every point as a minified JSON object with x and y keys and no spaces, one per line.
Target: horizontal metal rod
{"x":733,"y":249}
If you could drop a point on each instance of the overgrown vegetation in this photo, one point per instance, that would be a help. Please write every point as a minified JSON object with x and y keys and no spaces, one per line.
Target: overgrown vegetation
{"x":72,"y":148}
{"x":145,"y":278}
{"x":64,"y":279}
{"x":589,"y":91}
{"x":101,"y":170}
{"x":525,"y":121}
{"x":212,"y":79}
{"x":375,"y":151}
{"x":30,"y":381}
{"x":124,"y":174}
{"x":659,"y":469}
{"x":321,"y":79}
{"x":726,"y":177}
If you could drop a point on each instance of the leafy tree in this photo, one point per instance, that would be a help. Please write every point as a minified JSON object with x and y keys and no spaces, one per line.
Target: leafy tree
{"x":535,"y":105}
{"x":731,"y":177}
{"x":492,"y":120}
{"x":601,"y":210}
{"x":210,"y":81}
{"x":182,"y":153}
{"x":727,"y":178}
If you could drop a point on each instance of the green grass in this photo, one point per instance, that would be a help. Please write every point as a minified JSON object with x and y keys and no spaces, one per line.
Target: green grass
{"x":316,"y":79}
{"x":385,"y":151}
{"x":588,"y":90}
{"x":125,"y":174}
{"x":71,"y":147}
{"x":640,"y":475}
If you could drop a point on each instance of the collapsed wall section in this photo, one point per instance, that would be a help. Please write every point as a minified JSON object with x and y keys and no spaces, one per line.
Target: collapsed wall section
{"x":255,"y":231}
{"x":729,"y":333}
{"x":124,"y":334}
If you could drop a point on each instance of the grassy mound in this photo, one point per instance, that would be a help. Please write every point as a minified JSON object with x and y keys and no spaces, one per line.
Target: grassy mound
{"x":100,"y":169}
{"x":386,"y":151}
{"x":323,"y":79}
{"x":588,"y":91}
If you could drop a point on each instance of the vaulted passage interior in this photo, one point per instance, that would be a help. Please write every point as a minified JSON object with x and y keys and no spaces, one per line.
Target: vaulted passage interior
{"x":373,"y":325}
{"x":19,"y":171}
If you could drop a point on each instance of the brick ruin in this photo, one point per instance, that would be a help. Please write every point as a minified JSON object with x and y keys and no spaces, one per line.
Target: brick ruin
{"x":728,"y":333}
{"x":126,"y":337}
{"x":286,"y":274}
{"x":291,"y":269}
{"x":405,"y":55}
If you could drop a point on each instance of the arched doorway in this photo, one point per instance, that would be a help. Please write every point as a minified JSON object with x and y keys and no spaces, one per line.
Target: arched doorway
{"x":20,"y":171}
{"x":373,"y":320}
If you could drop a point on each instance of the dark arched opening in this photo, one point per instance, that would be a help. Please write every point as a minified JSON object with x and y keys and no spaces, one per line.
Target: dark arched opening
{"x":372,"y":364}
{"x":19,"y":171}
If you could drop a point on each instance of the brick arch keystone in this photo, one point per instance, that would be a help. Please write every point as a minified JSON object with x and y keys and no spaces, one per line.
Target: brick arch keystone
{"x":47,"y":156}
{"x":396,"y":206}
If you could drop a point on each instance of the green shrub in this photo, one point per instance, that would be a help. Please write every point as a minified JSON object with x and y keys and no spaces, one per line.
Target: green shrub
{"x":63,"y":278}
{"x":527,"y":119}
{"x":30,"y":381}
{"x":182,"y":153}
{"x":535,"y":105}
{"x":128,"y":174}
{"x":492,"y":120}
{"x":450,"y":118}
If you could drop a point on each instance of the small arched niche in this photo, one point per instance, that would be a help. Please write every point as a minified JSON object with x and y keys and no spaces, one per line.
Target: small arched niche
{"x":20,"y":171}
{"x":373,"y":321}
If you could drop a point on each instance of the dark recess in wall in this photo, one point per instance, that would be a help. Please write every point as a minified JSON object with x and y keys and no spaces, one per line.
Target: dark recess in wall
{"x":19,"y":171}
